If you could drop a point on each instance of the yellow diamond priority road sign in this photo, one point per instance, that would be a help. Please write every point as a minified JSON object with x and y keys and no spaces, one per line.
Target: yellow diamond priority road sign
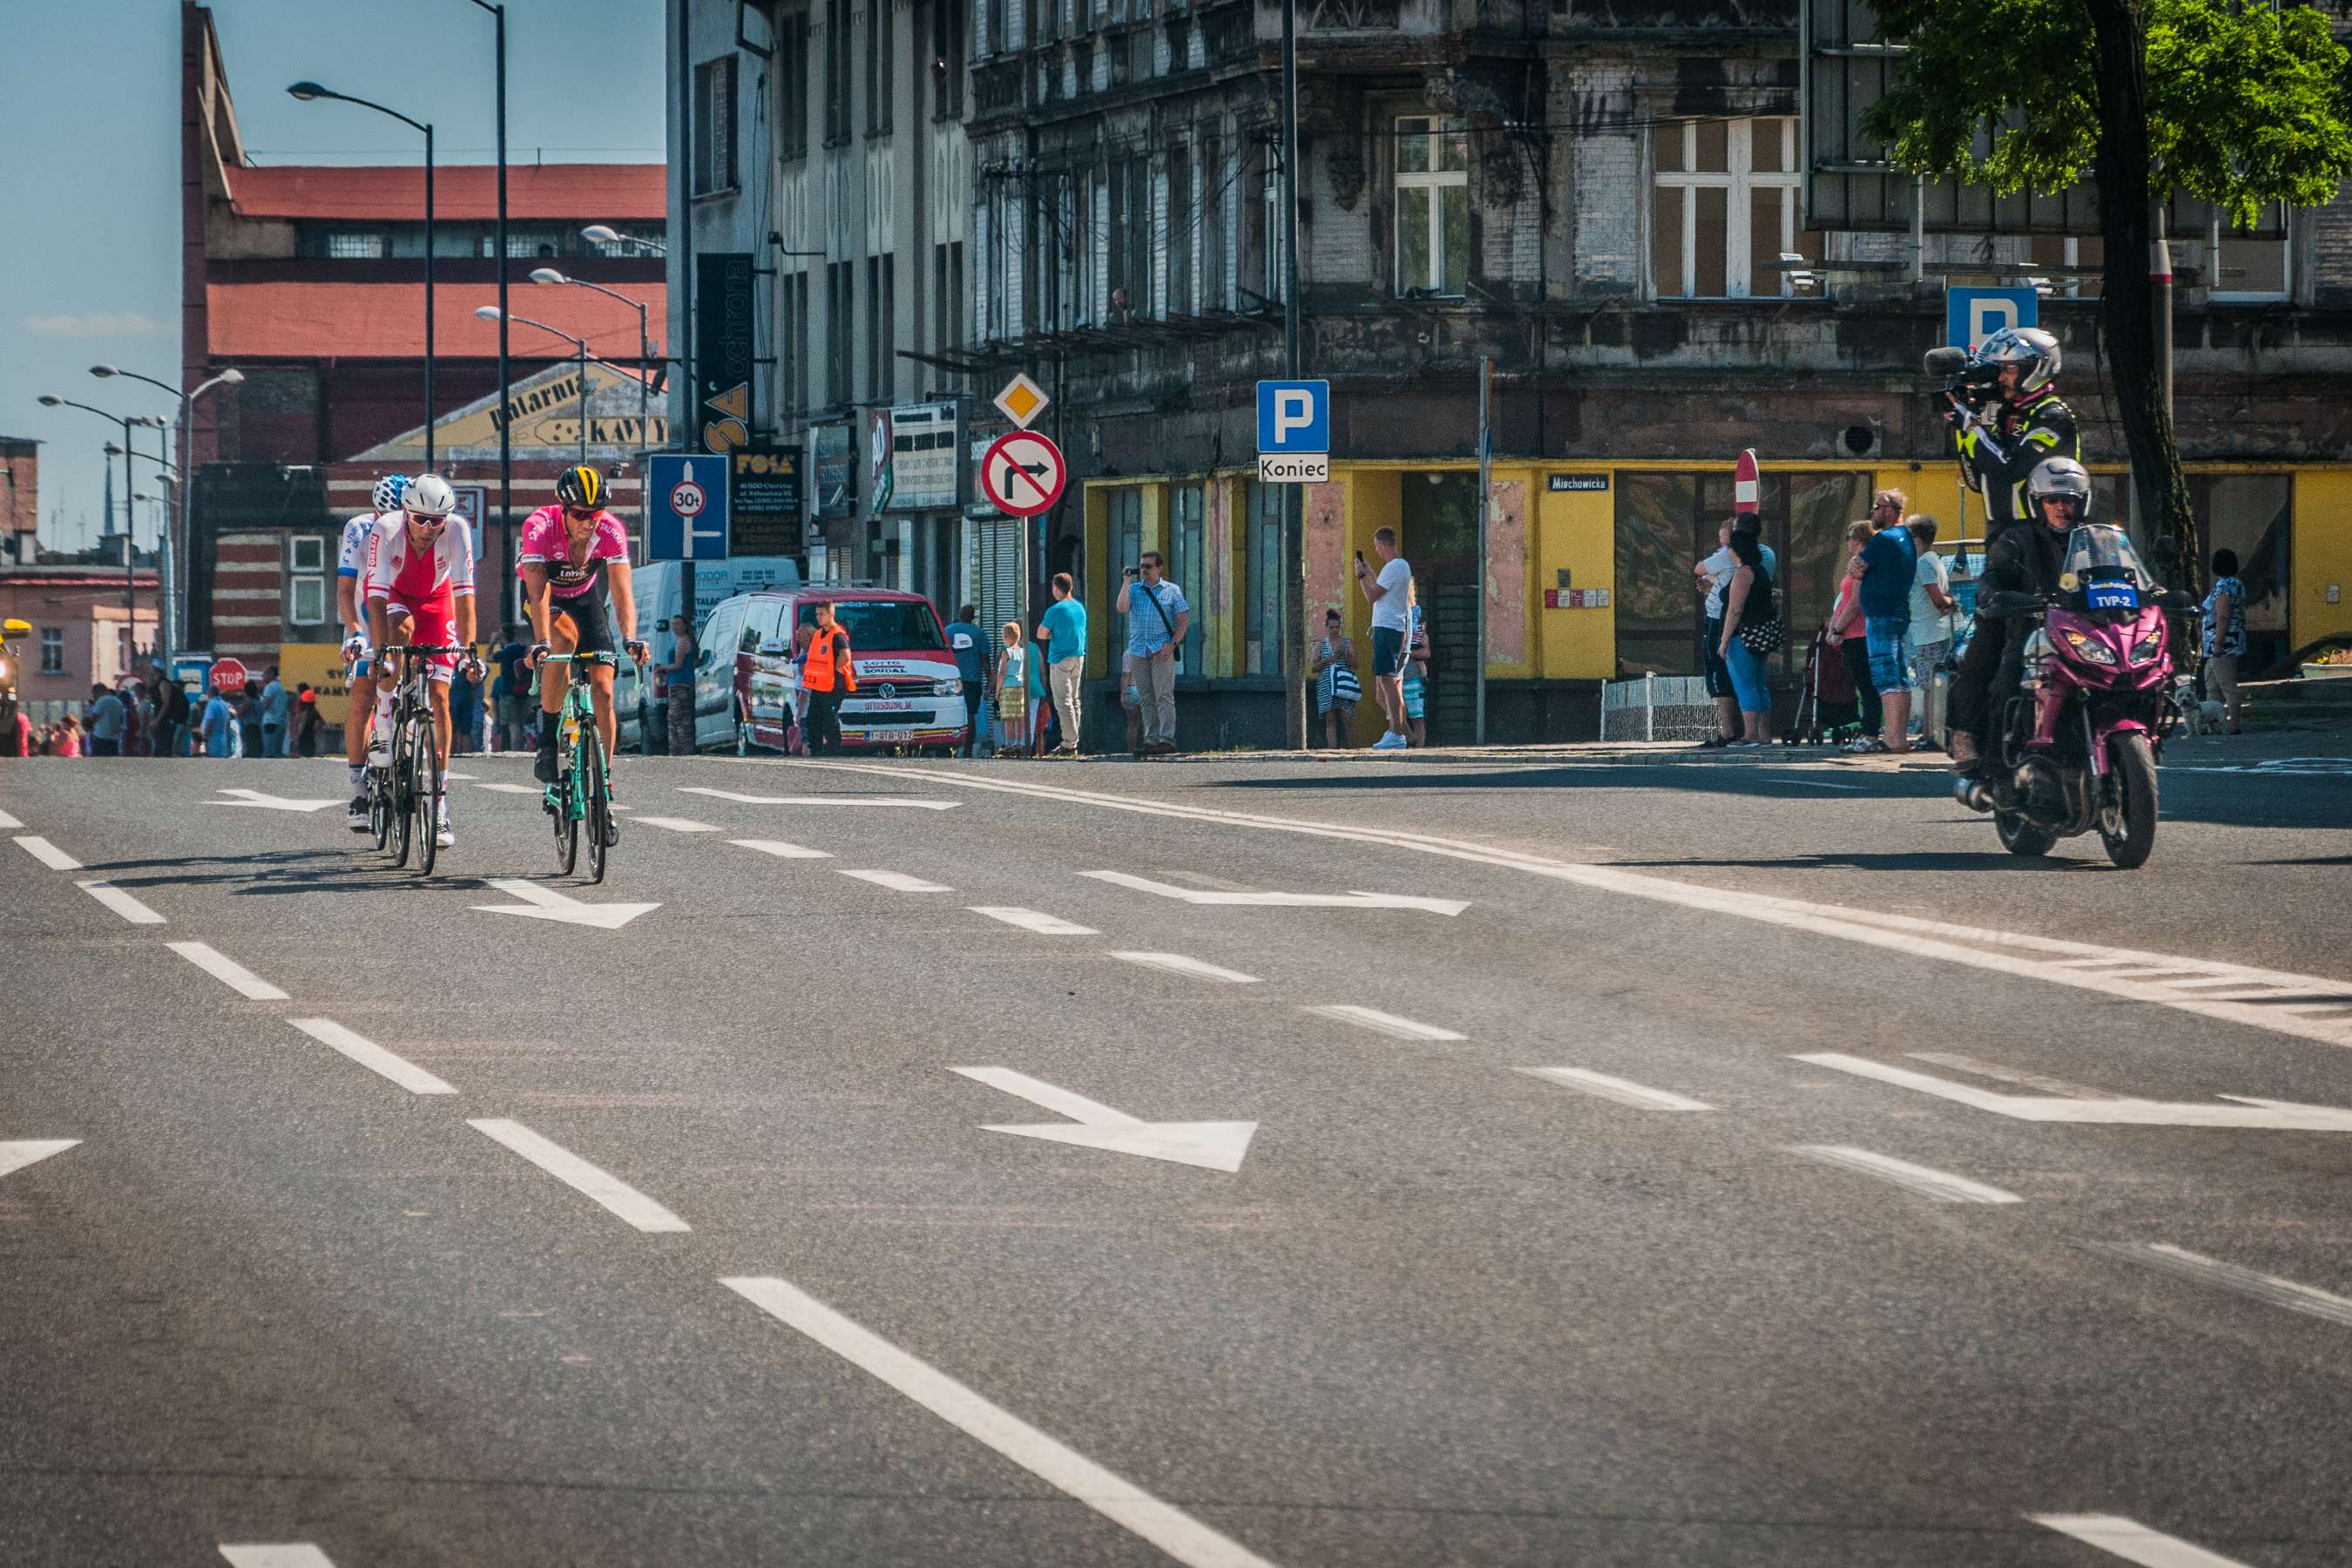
{"x":1022,"y":401}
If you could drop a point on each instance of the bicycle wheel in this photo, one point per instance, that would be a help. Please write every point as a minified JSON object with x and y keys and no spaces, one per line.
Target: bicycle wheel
{"x":379,"y":805}
{"x":600,"y":806}
{"x":425,"y":789}
{"x":395,"y":782}
{"x":567,"y":818}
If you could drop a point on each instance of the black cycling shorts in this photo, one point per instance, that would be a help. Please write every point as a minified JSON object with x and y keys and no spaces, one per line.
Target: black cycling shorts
{"x":591,"y":622}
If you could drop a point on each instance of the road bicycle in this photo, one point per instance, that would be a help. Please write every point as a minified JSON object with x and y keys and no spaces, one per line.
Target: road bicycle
{"x":404,"y":805}
{"x":582,"y":791}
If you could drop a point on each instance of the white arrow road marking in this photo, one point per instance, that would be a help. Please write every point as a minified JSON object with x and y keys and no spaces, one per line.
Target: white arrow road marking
{"x":294,"y":1554}
{"x":579,"y":1175}
{"x":2132,"y":1541}
{"x":547,"y":904}
{"x":1941,"y":1185}
{"x":1448,"y":907}
{"x":780,"y":849}
{"x":899,"y":881}
{"x":1191,"y":968}
{"x":1380,"y":1022}
{"x":8,"y":821}
{"x":675,"y":823}
{"x":1212,"y":1145}
{"x":1033,"y":920}
{"x":1117,"y":1499}
{"x":31,"y":1151}
{"x":2277,"y":1114}
{"x":2206,"y":1270}
{"x":122,"y":903}
{"x":1624,"y":1090}
{"x":227,"y":970}
{"x":1981,"y":1068}
{"x":253,"y":797}
{"x":904,"y":800}
{"x":371,"y":1056}
{"x":48,"y":854}
{"x":514,"y":789}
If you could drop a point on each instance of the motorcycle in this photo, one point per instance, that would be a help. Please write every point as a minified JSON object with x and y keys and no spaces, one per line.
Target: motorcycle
{"x":2076,"y":747}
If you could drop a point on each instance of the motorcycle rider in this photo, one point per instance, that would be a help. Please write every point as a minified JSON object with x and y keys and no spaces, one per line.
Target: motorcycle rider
{"x":1999,"y":457}
{"x":2025,"y":559}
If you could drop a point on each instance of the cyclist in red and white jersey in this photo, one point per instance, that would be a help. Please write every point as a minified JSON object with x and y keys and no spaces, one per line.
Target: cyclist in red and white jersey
{"x":351,"y":573}
{"x":573,"y":553}
{"x":420,"y":590}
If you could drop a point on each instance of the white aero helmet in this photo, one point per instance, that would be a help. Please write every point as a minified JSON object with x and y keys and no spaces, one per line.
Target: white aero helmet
{"x":2033,"y":352}
{"x":388,"y":490}
{"x":429,"y":495}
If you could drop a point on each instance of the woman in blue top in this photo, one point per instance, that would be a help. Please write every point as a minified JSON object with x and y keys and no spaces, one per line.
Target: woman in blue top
{"x":2224,"y":640}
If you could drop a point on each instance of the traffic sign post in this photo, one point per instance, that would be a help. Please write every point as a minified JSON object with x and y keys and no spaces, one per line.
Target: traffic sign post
{"x":1022,"y":401}
{"x":685,"y":506}
{"x":1972,"y":315}
{"x":1293,"y":432}
{"x":1023,"y":474}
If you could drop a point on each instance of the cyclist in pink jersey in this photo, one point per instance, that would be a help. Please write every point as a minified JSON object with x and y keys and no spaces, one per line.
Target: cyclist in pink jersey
{"x":573,"y":553}
{"x":420,"y":591}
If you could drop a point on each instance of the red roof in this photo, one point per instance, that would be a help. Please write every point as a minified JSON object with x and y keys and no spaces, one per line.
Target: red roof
{"x":386,"y":320}
{"x":536,"y":192}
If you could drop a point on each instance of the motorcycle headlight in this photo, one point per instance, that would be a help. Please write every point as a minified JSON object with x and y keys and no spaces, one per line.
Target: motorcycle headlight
{"x":2038,"y":645}
{"x":2147,"y":648}
{"x":3,"y":669}
{"x":2089,"y":649}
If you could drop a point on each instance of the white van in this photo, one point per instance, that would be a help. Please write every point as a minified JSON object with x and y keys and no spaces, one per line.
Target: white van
{"x":657,"y":585}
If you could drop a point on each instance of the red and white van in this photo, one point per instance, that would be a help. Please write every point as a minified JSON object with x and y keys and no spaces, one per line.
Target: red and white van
{"x":910,"y":693}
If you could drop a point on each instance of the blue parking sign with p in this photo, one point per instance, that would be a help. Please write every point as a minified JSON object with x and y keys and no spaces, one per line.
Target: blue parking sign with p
{"x":1972,"y":315}
{"x":1294,"y":417}
{"x":685,"y":506}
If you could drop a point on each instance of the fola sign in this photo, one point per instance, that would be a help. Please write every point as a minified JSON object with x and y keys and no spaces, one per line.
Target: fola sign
{"x":723,"y":349}
{"x":766,"y":516}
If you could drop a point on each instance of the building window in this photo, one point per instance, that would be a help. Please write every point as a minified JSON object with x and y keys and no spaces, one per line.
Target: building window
{"x":1215,"y":232}
{"x":1130,"y":230}
{"x":836,"y":71}
{"x":881,"y":327}
{"x":999,"y":40}
{"x":1176,"y":229}
{"x":792,"y":88}
{"x":2245,"y":269}
{"x":840,"y":319}
{"x":795,"y":346}
{"x":53,"y":650}
{"x":1126,"y":531}
{"x":306,"y":553}
{"x":349,"y":246}
{"x":1433,"y":209}
{"x":947,"y":61}
{"x":1262,"y":550}
{"x":310,"y":600}
{"x":1188,"y":546}
{"x":881,"y":66}
{"x":714,"y":126}
{"x":1725,"y":208}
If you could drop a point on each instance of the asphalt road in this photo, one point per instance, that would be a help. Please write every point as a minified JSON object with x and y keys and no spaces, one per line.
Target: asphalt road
{"x":1883,"y":1203}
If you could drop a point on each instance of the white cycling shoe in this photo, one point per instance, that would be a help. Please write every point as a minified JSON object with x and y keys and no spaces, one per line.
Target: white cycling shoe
{"x":444,"y":836}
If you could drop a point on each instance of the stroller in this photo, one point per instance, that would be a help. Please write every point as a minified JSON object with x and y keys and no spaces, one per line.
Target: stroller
{"x":1826,"y":710}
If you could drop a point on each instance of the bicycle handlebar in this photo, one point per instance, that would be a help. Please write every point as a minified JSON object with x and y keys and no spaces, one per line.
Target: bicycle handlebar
{"x":597,"y":658}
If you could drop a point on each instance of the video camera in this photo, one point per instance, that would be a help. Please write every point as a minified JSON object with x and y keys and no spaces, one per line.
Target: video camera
{"x":1964,"y":379}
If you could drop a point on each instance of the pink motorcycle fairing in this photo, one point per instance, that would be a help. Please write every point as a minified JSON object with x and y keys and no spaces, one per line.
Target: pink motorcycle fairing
{"x":2072,"y":670}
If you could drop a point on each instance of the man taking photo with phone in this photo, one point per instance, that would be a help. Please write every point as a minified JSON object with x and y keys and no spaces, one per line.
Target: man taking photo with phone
{"x":1157,"y":616}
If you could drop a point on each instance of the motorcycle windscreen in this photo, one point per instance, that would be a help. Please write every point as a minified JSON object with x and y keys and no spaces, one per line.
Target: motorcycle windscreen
{"x":2103,"y":567}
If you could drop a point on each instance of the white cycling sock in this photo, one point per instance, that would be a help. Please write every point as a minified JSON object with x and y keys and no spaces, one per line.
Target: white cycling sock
{"x":358,"y":774}
{"x":383,"y":714}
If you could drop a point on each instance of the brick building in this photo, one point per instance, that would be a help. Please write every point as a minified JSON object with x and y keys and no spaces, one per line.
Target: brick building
{"x":20,"y":497}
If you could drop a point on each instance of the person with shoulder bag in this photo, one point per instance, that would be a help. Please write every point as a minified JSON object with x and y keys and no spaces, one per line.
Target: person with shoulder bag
{"x":1752,"y":631}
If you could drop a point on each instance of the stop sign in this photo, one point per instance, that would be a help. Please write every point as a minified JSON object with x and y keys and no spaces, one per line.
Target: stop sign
{"x":228,"y":675}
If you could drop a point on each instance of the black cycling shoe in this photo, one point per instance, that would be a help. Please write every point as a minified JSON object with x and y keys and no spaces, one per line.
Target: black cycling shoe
{"x":543,"y":768}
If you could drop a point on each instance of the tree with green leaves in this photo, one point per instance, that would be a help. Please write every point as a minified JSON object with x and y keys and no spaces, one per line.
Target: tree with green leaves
{"x":2239,"y":104}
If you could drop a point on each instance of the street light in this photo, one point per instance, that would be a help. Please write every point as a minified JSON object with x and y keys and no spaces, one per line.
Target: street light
{"x":549,"y":275}
{"x":605,"y":234}
{"x":492,"y":313}
{"x":168,"y":563}
{"x":310,"y":92}
{"x":130,"y":546}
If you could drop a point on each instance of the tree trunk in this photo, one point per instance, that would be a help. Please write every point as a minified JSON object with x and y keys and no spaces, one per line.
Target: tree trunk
{"x":2120,"y":40}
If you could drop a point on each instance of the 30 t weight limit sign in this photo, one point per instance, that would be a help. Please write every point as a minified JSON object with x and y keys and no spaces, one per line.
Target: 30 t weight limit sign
{"x":1023,"y":474}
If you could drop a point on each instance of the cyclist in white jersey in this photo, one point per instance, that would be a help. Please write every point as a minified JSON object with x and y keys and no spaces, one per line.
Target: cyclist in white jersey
{"x":420,"y":591}
{"x":359,"y":669}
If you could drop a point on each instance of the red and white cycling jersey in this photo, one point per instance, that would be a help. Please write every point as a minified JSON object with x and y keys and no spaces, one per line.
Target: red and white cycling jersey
{"x":357,"y":533}
{"x":420,"y":581}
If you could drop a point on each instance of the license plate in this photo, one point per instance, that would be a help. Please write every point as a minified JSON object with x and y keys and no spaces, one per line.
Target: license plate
{"x":2112,"y":597}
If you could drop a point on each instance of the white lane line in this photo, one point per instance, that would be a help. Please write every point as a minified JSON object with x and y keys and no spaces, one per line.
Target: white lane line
{"x":579,"y":1175}
{"x":1382,"y":1023}
{"x":1191,"y":968}
{"x":780,"y":849}
{"x":1624,"y":1090}
{"x":675,"y":823}
{"x":1981,"y":1068}
{"x":227,"y":970}
{"x":899,"y":882}
{"x":2270,"y":1288}
{"x":122,"y":903}
{"x":371,"y":1056}
{"x":898,"y":800}
{"x":24,"y":1152}
{"x":8,"y":821}
{"x":1923,"y":1179}
{"x":513,"y":789}
{"x":1033,"y":920}
{"x":48,"y":854}
{"x":2132,"y":1541}
{"x":1117,"y":1499}
{"x":294,"y":1554}
{"x":1817,"y":783}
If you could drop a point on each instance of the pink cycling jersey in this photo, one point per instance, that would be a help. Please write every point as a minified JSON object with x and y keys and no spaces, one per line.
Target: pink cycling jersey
{"x":545,"y":542}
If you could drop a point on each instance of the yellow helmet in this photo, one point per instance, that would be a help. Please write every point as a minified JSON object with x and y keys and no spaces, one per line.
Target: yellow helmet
{"x":581,"y":487}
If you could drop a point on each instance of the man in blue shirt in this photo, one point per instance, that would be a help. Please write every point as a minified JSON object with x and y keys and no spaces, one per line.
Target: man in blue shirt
{"x":1157,"y":616}
{"x":274,"y":700}
{"x":971,"y":648}
{"x":219,"y":726}
{"x":1062,"y":634}
{"x":1887,"y":564}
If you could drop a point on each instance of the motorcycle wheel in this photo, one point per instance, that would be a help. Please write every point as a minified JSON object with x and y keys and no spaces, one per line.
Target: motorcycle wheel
{"x":2020,"y":834}
{"x":2132,"y":767}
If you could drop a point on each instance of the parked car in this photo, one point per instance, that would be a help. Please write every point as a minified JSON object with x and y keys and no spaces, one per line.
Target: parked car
{"x":908,"y":697}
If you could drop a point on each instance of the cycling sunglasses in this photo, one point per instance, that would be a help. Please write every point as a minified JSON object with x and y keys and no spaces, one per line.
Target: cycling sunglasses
{"x":581,"y":512}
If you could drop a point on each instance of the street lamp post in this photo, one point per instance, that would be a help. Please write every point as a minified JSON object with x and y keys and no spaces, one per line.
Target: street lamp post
{"x":644,"y":367}
{"x":130,"y":548}
{"x":175,"y":538}
{"x":506,"y":445}
{"x":492,"y":313}
{"x":307,"y":91}
{"x":605,"y":234}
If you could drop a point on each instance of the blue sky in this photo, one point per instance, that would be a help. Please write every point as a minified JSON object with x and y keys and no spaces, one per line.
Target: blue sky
{"x":90,"y":159}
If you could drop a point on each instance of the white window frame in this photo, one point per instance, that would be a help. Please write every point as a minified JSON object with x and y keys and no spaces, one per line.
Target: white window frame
{"x":1740,"y":179}
{"x":306,"y":553}
{"x":2216,"y":232}
{"x":1434,"y":127}
{"x":53,"y":650}
{"x":315,"y":612}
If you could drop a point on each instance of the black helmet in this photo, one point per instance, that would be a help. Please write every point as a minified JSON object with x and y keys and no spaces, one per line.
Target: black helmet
{"x":581,"y":487}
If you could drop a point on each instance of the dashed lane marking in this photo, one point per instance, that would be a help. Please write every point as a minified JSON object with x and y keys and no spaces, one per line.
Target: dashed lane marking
{"x":1190,"y":968}
{"x":1981,"y":1068}
{"x":899,"y":882}
{"x":228,"y":971}
{"x":577,"y":1173}
{"x":8,"y":821}
{"x":1379,"y":1022}
{"x":2133,"y":1542}
{"x":513,"y":789}
{"x":1035,"y":920}
{"x":371,"y":1056}
{"x":675,"y":823}
{"x":904,"y":801}
{"x":1117,"y":1499}
{"x":1941,"y":1185}
{"x":48,"y":854}
{"x":2270,"y":1288}
{"x":294,"y":1554}
{"x":122,"y":903}
{"x":1624,"y":1090}
{"x":24,"y":1152}
{"x":780,"y":849}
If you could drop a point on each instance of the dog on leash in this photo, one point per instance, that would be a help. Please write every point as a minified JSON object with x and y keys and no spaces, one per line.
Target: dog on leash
{"x":2196,"y":717}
